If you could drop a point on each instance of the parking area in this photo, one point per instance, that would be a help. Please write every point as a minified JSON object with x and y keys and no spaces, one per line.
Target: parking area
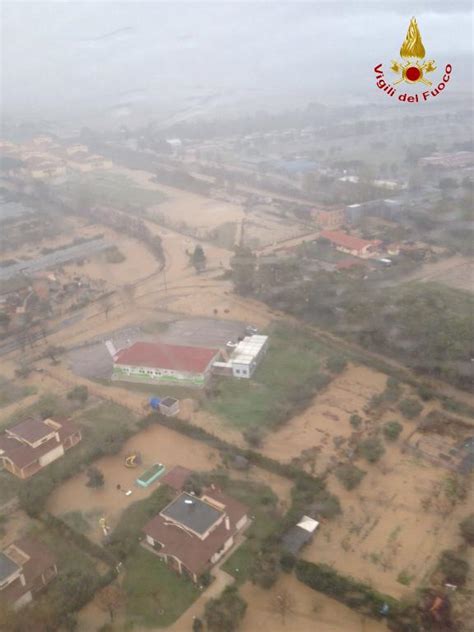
{"x":203,"y":332}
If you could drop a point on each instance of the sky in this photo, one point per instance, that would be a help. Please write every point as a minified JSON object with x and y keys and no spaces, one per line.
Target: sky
{"x":114,"y":60}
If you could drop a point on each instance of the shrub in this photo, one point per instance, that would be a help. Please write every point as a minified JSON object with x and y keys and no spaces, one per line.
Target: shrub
{"x":224,"y":613}
{"x":95,"y":478}
{"x":467,"y":529}
{"x":371,"y":449}
{"x":198,"y":625}
{"x":253,"y":436}
{"x":265,"y":569}
{"x":392,"y":430}
{"x":336,"y":364}
{"x":349,"y":475}
{"x":79,"y":393}
{"x":410,"y":408}
{"x":355,"y":421}
{"x":114,"y":255}
{"x":425,"y":392}
{"x":453,"y":567}
{"x":287,"y":561}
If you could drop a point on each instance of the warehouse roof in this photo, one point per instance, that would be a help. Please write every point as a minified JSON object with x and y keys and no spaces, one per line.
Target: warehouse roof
{"x":164,"y":356}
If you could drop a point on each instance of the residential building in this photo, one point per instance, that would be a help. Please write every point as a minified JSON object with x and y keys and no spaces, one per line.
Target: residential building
{"x":192,"y":534}
{"x":454,"y":160}
{"x":330,"y":218}
{"x":154,"y":363}
{"x":34,"y":443}
{"x":244,"y":358}
{"x":351,"y":245}
{"x":26,"y":568}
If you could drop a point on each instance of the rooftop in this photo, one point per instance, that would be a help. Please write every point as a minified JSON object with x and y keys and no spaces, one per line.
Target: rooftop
{"x":31,"y":430}
{"x":248,"y":349}
{"x":164,"y":356}
{"x":7,"y":567}
{"x":193,"y":513}
{"x":177,"y":477}
{"x":341,"y":238}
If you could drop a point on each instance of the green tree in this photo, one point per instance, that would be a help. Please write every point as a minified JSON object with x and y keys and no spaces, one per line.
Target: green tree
{"x":454,"y":567}
{"x":467,"y":529}
{"x":110,"y":599}
{"x":225,"y":613}
{"x":355,"y":421}
{"x":410,"y":408}
{"x":265,"y":569}
{"x":336,"y":364}
{"x":371,"y":449}
{"x":392,"y":430}
{"x":243,"y":266}
{"x":4,"y":320}
{"x":198,"y":258}
{"x":95,"y":478}
{"x":79,"y":393}
{"x":349,"y":475}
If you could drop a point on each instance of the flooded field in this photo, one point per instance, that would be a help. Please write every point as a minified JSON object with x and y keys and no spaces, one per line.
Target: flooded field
{"x":327,"y":417}
{"x":393,"y":524}
{"x":310,"y":611}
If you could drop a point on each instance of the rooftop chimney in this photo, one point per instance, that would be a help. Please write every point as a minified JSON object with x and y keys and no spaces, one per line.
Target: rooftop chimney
{"x":227,"y":523}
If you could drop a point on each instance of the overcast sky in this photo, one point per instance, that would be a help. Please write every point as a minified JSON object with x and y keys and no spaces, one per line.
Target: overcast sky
{"x":114,"y":58}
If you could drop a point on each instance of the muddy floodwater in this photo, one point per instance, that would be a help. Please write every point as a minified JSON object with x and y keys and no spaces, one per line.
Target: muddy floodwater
{"x":155,"y":444}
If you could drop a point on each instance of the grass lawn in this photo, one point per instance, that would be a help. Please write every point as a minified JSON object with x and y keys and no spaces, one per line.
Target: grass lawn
{"x":48,"y":405}
{"x":156,"y":596}
{"x":9,"y":486}
{"x":12,"y":392}
{"x":105,"y":416}
{"x":108,"y":188}
{"x":160,"y":390}
{"x":291,"y":366}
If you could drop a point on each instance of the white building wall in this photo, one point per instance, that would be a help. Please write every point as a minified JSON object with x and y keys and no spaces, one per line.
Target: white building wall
{"x":51,"y":456}
{"x":241,"y":523}
{"x":217,"y":556}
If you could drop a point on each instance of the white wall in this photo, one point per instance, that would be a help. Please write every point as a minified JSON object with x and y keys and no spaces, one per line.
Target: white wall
{"x":51,"y":456}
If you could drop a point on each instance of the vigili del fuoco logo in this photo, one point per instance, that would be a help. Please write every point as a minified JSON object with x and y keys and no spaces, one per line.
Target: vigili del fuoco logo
{"x":413,"y":70}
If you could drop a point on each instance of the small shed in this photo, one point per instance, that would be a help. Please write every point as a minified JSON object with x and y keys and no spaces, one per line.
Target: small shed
{"x":177,"y":477}
{"x":169,"y":406}
{"x":299,"y":535}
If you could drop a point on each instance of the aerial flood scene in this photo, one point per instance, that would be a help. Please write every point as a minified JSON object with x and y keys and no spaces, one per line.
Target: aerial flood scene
{"x":236,"y":316}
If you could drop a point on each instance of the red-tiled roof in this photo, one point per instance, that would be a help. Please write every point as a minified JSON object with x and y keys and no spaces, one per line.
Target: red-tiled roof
{"x":41,"y":559}
{"x":347,"y":264}
{"x":22,"y":454}
{"x":31,"y":430}
{"x":164,"y":356}
{"x":176,"y":477}
{"x":193,"y":552}
{"x":350,"y":242}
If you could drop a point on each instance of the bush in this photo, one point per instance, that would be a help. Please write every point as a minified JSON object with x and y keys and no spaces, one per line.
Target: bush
{"x":425,"y":392}
{"x":287,"y":561}
{"x":79,"y":393}
{"x":453,"y":567}
{"x":265,"y":569}
{"x":253,"y":436}
{"x":114,"y":255}
{"x":225,"y":613}
{"x":349,"y":475}
{"x":392,"y":430}
{"x":198,"y":625}
{"x":95,"y":478}
{"x":410,"y":408}
{"x":336,"y":364}
{"x":355,"y":421}
{"x":371,"y":449}
{"x":467,"y":529}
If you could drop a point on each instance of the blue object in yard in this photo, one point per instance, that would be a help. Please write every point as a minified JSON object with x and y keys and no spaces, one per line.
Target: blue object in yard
{"x":384,"y":610}
{"x":155,"y":403}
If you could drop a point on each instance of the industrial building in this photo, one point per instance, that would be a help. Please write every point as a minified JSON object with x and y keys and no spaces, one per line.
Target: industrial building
{"x":244,"y":357}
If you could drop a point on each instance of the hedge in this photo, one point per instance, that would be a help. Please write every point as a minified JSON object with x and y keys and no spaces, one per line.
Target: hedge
{"x":357,"y":595}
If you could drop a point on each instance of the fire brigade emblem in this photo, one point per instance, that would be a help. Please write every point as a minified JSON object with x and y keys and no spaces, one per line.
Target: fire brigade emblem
{"x":413,"y":69}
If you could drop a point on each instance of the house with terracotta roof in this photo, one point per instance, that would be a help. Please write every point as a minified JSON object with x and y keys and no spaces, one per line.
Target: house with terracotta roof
{"x":192,"y":534}
{"x":35,"y":443}
{"x":159,"y":363}
{"x":363,"y":248}
{"x":26,"y":568}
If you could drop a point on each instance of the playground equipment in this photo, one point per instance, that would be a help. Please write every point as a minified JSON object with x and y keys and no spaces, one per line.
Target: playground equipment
{"x":104,"y":526}
{"x":132,"y":460}
{"x":151,"y":475}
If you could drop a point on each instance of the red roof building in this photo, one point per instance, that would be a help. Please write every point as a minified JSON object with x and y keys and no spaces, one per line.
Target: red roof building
{"x":192,"y":534}
{"x":34,"y":443}
{"x":153,"y":363}
{"x":355,"y":246}
{"x":26,"y":567}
